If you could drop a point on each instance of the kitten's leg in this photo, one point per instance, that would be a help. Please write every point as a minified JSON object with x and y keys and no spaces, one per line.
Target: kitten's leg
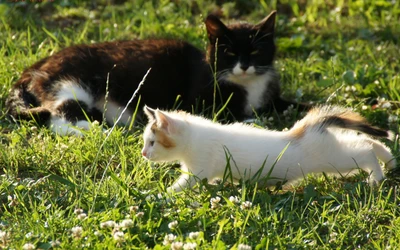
{"x":186,"y":180}
{"x":374,"y":169}
{"x":182,"y":182}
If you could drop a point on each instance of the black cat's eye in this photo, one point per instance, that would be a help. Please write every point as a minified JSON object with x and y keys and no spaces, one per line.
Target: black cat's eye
{"x":229,"y":52}
{"x":152,"y":143}
{"x":255,"y":52}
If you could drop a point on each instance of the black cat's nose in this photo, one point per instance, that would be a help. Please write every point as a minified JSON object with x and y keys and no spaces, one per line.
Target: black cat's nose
{"x":244,"y":66}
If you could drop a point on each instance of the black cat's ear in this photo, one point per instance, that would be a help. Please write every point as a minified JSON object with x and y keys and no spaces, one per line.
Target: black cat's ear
{"x":215,"y":28}
{"x":151,"y":113}
{"x":267,"y":25}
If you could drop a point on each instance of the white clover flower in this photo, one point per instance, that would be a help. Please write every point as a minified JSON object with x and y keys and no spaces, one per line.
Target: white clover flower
{"x":119,"y":236}
{"x":194,"y":235}
{"x":28,"y":246}
{"x":4,"y":237}
{"x":246,"y":205}
{"x":78,"y":211}
{"x":168,"y":239}
{"x":195,"y":204}
{"x":12,"y":200}
{"x":386,"y":105}
{"x":29,"y":235}
{"x":150,"y":197}
{"x":97,"y":233}
{"x":82,"y":216}
{"x":127,"y":223}
{"x":108,"y":224}
{"x":244,"y":247}
{"x":77,"y":232}
{"x":393,"y":118}
{"x":190,"y":246}
{"x":133,"y":209}
{"x":176,"y":245}
{"x":215,"y":202}
{"x":172,"y":225}
{"x":55,"y":243}
{"x":234,"y":199}
{"x":140,"y":214}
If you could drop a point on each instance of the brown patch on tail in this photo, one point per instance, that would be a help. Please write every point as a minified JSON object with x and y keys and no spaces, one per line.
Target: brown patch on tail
{"x":321,"y":118}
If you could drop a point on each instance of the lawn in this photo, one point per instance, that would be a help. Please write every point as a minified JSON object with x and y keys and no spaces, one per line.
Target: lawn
{"x":97,"y":192}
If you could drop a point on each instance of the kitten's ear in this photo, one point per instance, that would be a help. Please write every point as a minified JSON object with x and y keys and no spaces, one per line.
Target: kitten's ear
{"x":215,"y":28}
{"x":165,"y":122}
{"x":151,"y":113}
{"x":267,"y":25}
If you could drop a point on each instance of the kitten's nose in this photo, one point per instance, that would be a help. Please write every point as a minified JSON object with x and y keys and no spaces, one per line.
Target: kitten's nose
{"x":144,"y":153}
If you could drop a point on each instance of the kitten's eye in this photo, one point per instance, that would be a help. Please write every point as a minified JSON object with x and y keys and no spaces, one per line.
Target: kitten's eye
{"x":229,"y":52}
{"x":255,"y":52}
{"x":152,"y":143}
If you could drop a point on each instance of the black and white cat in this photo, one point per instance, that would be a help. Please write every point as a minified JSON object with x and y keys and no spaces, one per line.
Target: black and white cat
{"x":70,"y":86}
{"x":328,"y":139}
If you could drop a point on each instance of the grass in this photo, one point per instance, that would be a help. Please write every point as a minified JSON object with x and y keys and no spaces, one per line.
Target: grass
{"x":68,"y":191}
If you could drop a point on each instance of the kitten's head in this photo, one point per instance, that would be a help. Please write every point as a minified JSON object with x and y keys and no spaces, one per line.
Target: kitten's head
{"x":162,"y":136}
{"x":241,"y":50}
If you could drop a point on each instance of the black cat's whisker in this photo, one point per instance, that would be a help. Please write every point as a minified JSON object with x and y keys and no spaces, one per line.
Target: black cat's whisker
{"x":261,"y":37}
{"x":228,"y":39}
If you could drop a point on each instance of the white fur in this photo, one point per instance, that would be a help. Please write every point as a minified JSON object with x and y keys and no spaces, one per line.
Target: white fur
{"x":255,"y":85}
{"x":70,"y":90}
{"x":61,"y":126}
{"x":202,"y":147}
{"x":113,"y":111}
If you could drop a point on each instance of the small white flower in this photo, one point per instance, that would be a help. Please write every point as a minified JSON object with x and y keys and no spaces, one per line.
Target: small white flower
{"x":127,"y":223}
{"x":244,"y":247}
{"x":176,"y":245}
{"x":78,"y":211}
{"x":150,"y":197}
{"x":195,"y":204}
{"x":77,"y":232}
{"x":194,"y":235}
{"x":386,"y":105}
{"x":4,"y":237}
{"x":97,"y":233}
{"x":140,"y":214}
{"x":190,"y":246}
{"x":168,"y":239}
{"x":364,"y":107}
{"x":108,"y":224}
{"x":172,"y":225}
{"x":55,"y":243}
{"x":234,"y":199}
{"x":393,"y":118}
{"x":215,"y":202}
{"x":82,"y":216}
{"x":119,"y":236}
{"x":28,"y":246}
{"x":246,"y":205}
{"x":133,"y":209}
{"x":29,"y":235}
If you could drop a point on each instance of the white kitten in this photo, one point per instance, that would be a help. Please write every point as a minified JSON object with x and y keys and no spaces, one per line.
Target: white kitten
{"x":326,"y":140}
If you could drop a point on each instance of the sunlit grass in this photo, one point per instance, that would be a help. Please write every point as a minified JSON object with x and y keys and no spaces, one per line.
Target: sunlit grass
{"x":72,"y":193}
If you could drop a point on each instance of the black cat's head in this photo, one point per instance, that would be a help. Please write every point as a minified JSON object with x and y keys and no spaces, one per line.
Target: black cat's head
{"x":241,"y":51}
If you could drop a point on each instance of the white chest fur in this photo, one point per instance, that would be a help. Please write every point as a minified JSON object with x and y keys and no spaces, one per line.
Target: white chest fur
{"x":255,"y":85}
